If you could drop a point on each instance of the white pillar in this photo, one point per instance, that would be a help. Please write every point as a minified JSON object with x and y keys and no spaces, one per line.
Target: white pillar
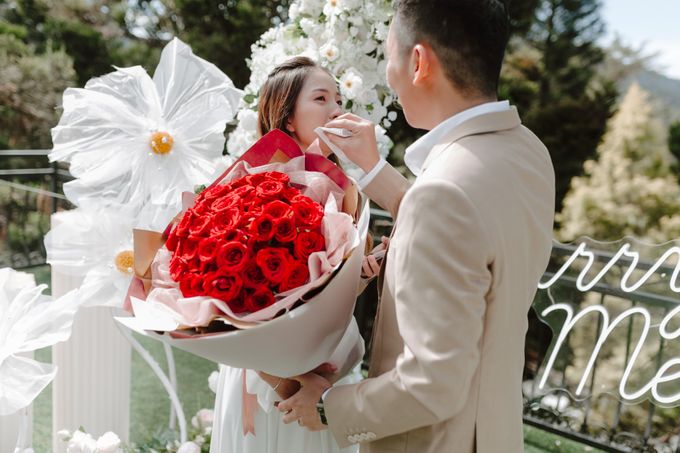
{"x":92,"y":386}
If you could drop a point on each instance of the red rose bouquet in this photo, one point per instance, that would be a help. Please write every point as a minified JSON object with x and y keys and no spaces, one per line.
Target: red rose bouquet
{"x":270,"y":251}
{"x":246,"y":241}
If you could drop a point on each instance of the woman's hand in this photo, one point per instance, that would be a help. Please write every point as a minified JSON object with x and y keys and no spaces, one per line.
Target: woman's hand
{"x":371,"y":264}
{"x":283,"y":387}
{"x":286,"y":388}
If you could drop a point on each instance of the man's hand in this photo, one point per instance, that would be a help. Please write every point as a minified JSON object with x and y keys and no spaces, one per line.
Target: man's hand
{"x":301,"y":407}
{"x":361,"y":148}
{"x":286,"y":388}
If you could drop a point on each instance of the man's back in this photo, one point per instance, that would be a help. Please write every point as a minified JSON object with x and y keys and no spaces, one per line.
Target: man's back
{"x":480,"y":216}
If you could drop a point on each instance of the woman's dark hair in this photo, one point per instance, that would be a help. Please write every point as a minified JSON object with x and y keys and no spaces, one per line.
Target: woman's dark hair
{"x":280,"y":92}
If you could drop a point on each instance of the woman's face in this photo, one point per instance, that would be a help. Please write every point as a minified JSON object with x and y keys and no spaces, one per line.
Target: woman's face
{"x":317,"y":104}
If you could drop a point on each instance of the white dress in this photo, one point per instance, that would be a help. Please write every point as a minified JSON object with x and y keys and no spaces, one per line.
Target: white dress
{"x":271,"y":434}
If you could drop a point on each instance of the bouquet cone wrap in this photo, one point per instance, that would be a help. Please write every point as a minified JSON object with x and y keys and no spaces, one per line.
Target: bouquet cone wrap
{"x":319,"y":330}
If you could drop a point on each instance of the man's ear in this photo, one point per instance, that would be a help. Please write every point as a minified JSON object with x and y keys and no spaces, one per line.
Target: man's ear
{"x":423,"y":61}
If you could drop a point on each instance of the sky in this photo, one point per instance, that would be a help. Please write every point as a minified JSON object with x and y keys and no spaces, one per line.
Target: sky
{"x":654,"y":22}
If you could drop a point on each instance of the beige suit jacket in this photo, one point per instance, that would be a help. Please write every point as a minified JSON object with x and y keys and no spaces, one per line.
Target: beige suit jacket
{"x":472,"y":238}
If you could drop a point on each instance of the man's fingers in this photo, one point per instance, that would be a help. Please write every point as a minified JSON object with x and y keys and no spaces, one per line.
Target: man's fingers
{"x":351,"y":116}
{"x":350,"y":125}
{"x":287,"y":405}
{"x":290,"y":417}
{"x":325,"y":368}
{"x":385,"y":240}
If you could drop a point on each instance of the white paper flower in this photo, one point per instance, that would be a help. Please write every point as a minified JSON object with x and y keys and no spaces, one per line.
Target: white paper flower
{"x":81,"y":443}
{"x":64,"y":435}
{"x":95,"y":245}
{"x":351,"y":84}
{"x":108,"y":443}
{"x":131,"y":138}
{"x":28,"y":321}
{"x":189,"y":447}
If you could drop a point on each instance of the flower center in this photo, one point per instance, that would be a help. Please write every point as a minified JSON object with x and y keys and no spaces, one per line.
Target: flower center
{"x":161,"y":142}
{"x":124,"y":261}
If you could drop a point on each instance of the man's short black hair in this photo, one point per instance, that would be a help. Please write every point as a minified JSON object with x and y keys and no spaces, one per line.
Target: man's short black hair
{"x":468,"y":36}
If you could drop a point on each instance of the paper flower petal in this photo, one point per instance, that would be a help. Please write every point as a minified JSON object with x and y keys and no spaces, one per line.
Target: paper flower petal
{"x":21,"y":381}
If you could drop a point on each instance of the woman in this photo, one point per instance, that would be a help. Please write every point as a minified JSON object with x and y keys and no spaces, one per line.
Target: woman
{"x":297,"y":97}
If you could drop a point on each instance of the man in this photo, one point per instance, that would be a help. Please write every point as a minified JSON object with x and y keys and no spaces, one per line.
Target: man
{"x":471,"y":239}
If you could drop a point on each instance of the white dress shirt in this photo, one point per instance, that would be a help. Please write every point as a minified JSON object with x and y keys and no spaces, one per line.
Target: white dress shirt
{"x":416,"y":154}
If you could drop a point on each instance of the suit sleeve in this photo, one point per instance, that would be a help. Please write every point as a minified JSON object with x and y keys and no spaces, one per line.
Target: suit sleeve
{"x":441,"y":276}
{"x":387,"y":189}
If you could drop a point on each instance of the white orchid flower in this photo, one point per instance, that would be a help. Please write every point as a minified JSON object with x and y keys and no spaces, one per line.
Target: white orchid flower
{"x":28,"y":321}
{"x":133,"y":139}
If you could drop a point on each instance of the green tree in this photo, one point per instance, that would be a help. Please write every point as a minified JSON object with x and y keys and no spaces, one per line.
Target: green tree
{"x":31,"y":87}
{"x":629,"y":190}
{"x":550,"y":74}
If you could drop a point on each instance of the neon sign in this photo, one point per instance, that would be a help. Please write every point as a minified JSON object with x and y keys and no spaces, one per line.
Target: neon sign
{"x":667,"y":375}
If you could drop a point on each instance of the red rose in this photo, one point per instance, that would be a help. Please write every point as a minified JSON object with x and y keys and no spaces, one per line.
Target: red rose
{"x":177,"y":267}
{"x":238,"y":303}
{"x":253,"y":208}
{"x":285,"y":230}
{"x":191,"y":285}
{"x":201,"y":208}
{"x":274,"y":263}
{"x":269,"y":188}
{"x":235,"y":235}
{"x":172,"y":241}
{"x":289,"y":193}
{"x":200,"y":225}
{"x":214,"y":192}
{"x":297,"y":276}
{"x":278,"y":176}
{"x":194,"y":265}
{"x":232,"y":256}
{"x":262,"y":228}
{"x":230,"y":200}
{"x":189,"y":249}
{"x":307,"y":213}
{"x":261,"y":298}
{"x":222,"y":286}
{"x":207,"y":267}
{"x":308,"y":242}
{"x":207,"y":248}
{"x":252,"y":275}
{"x":255,"y":179}
{"x":182,"y":228}
{"x":278,"y":209}
{"x":225,"y":221}
{"x":243,"y":190}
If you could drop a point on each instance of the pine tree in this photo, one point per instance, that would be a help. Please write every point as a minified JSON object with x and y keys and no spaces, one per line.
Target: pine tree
{"x":630,"y":189}
{"x":550,"y":74}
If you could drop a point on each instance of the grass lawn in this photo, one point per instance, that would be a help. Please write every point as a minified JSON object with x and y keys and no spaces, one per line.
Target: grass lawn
{"x":150,"y":405}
